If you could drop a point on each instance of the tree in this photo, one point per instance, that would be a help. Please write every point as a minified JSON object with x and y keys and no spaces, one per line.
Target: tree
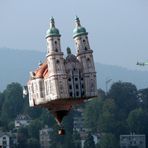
{"x":92,"y":112}
{"x":47,"y":118}
{"x":22,"y":135}
{"x":89,"y":142}
{"x":33,"y":143}
{"x":137,"y":121}
{"x":108,"y":141}
{"x":125,"y":96}
{"x":34,"y":127}
{"x":13,"y":102}
{"x":107,"y":121}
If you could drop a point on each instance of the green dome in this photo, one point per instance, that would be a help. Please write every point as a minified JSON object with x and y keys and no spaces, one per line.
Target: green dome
{"x":79,"y":31}
{"x":52,"y":31}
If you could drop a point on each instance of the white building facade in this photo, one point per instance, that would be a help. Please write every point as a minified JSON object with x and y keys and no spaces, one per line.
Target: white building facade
{"x":45,"y":137}
{"x":22,"y":121}
{"x":5,"y":139}
{"x":132,"y":140}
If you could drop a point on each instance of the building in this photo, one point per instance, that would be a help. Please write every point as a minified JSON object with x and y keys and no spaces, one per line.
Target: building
{"x":78,"y":119}
{"x":22,"y":120}
{"x":5,"y":140}
{"x":57,"y":77}
{"x":132,"y":140}
{"x":45,"y":137}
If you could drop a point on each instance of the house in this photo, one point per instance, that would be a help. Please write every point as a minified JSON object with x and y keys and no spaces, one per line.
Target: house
{"x":45,"y":137}
{"x":22,"y":120}
{"x":132,"y":140}
{"x":5,"y":139}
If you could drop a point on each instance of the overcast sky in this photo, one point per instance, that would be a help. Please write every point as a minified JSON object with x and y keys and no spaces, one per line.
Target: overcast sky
{"x":118,"y":29}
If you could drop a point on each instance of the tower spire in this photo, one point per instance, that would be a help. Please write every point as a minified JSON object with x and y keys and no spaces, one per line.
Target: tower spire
{"x":77,"y":20}
{"x":52,"y":23}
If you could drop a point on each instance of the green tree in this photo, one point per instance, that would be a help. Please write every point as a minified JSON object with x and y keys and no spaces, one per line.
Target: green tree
{"x":89,"y":142}
{"x":22,"y":135}
{"x":125,"y":96}
{"x":34,"y":127}
{"x":108,"y":141}
{"x":13,"y":103}
{"x":33,"y":143}
{"x":47,"y":118}
{"x":1,"y":104}
{"x":107,"y":121}
{"x":92,"y":112}
{"x":137,"y":121}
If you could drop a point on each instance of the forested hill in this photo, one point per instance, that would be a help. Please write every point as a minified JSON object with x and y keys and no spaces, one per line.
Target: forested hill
{"x":16,"y":64}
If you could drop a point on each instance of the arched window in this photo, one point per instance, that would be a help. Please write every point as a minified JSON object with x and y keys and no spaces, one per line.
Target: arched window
{"x":88,"y":62}
{"x":85,"y":48}
{"x":57,"y":65}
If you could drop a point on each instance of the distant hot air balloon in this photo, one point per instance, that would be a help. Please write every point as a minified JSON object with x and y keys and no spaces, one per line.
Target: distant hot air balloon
{"x":60,"y":83}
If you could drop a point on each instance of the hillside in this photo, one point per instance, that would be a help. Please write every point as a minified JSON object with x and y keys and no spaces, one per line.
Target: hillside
{"x":16,"y":64}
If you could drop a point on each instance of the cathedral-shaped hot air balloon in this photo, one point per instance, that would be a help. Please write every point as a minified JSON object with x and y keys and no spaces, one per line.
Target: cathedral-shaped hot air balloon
{"x":59,"y":83}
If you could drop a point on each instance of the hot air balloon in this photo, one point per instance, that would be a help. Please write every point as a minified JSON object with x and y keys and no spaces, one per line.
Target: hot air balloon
{"x":60,"y":83}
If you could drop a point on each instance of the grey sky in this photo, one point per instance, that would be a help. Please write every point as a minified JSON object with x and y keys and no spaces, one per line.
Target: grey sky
{"x":118,"y":29}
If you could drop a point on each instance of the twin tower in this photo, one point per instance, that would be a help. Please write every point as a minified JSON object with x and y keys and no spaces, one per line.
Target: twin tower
{"x":73,"y":77}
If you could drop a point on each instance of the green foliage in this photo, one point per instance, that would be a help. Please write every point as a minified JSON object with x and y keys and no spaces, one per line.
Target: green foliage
{"x":108,"y":141}
{"x":137,"y":121}
{"x":33,"y":143}
{"x":33,"y":112}
{"x":91,"y":113}
{"x":125,"y":96}
{"x":107,"y":122}
{"x":34,"y":127}
{"x":12,"y":104}
{"x":22,"y":135}
{"x":47,"y":118}
{"x":120,"y":112}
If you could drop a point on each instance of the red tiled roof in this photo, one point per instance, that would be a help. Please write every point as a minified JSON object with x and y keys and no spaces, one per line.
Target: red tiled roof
{"x":42,"y":71}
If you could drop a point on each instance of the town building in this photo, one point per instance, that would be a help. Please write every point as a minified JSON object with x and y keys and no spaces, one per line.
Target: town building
{"x":132,"y":140}
{"x":22,"y":121}
{"x":45,"y":137}
{"x":5,"y":140}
